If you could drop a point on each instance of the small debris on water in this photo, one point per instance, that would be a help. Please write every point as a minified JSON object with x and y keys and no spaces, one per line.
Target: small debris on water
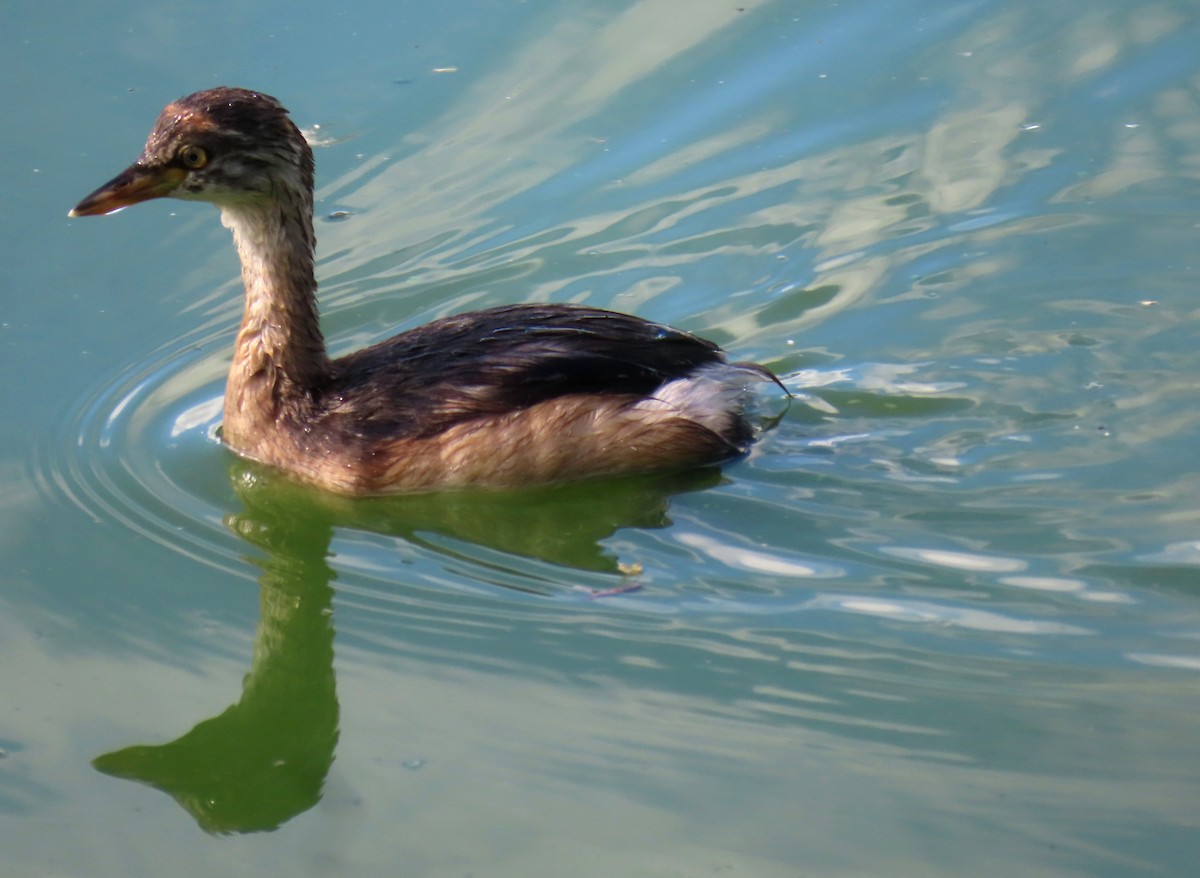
{"x":611,"y":592}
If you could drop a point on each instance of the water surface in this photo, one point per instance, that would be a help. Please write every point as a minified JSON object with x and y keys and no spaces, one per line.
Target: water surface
{"x":942,"y":621}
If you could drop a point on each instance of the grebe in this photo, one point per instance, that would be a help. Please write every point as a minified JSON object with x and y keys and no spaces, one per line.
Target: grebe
{"x":509,"y":396}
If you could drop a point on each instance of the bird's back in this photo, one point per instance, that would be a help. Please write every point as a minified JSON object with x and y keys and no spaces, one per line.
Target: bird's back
{"x":529,"y":393}
{"x":487,"y":363}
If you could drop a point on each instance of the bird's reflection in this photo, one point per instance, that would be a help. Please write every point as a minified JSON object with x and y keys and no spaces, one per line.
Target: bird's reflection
{"x":264,"y":759}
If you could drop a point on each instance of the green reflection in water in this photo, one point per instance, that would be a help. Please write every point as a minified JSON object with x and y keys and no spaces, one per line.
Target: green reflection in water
{"x":563,"y":525}
{"x":264,"y":760}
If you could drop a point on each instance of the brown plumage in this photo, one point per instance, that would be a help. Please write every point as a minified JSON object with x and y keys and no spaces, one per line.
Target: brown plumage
{"x":507,"y":396}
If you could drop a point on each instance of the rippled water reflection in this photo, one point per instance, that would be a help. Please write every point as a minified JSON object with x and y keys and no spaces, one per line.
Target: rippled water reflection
{"x":942,"y":620}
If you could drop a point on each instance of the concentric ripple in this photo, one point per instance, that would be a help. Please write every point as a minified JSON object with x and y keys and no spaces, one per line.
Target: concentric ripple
{"x":141,"y":450}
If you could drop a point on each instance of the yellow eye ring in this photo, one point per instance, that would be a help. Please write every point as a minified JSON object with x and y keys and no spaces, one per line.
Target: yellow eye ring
{"x":193,"y":157}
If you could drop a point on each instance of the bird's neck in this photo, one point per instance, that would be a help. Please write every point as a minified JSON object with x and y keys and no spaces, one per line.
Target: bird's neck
{"x":279,"y":363}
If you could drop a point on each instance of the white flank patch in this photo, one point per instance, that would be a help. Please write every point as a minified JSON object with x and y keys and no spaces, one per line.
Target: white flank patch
{"x":710,"y":396}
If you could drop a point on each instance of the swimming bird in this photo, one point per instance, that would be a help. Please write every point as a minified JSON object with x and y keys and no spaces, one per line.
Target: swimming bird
{"x":508,"y":396}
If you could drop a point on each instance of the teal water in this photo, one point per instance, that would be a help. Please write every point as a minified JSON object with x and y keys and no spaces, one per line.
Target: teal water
{"x":943,"y":621}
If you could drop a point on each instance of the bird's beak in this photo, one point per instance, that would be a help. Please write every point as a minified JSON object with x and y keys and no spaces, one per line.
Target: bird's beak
{"x":134,"y":184}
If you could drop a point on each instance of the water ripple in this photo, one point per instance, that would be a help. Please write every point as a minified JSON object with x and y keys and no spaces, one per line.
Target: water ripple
{"x":140,"y":450}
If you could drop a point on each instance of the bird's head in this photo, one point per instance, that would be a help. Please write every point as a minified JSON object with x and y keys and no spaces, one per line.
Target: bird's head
{"x":228,"y":146}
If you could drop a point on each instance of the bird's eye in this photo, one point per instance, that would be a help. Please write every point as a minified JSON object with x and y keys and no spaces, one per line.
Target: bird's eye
{"x":193,"y":157}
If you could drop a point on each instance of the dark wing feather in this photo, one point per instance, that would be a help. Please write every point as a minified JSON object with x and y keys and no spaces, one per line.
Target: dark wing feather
{"x":428,"y":379}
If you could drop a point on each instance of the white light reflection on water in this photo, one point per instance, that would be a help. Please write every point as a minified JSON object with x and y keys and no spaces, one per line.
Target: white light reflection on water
{"x":956,"y":560}
{"x":927,"y":613}
{"x":757,"y":560}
